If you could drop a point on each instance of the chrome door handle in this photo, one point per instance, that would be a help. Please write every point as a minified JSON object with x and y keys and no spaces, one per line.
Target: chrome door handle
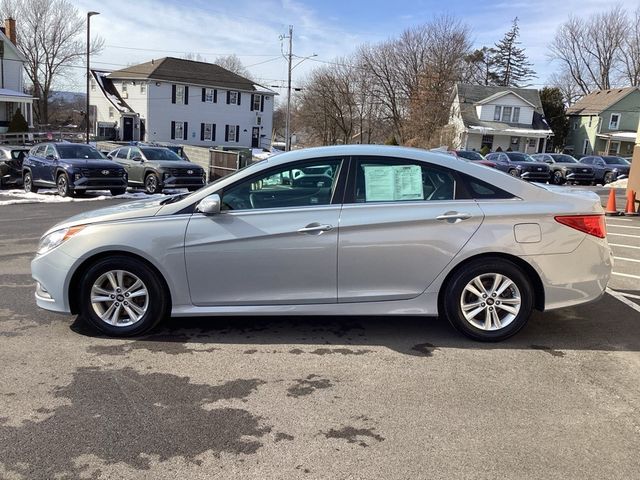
{"x":453,"y":216}
{"x":315,"y":227}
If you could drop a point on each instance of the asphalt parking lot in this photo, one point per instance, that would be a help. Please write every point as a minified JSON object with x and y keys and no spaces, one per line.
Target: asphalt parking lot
{"x":344,"y":398}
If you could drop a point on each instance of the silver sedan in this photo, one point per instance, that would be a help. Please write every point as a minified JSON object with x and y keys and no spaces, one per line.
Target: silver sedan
{"x":351,"y":230}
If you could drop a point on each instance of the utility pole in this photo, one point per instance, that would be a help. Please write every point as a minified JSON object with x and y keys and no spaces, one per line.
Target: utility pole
{"x":86,"y":113}
{"x":287,"y":128}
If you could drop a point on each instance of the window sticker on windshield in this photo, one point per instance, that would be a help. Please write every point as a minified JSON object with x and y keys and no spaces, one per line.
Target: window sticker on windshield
{"x":385,"y":183}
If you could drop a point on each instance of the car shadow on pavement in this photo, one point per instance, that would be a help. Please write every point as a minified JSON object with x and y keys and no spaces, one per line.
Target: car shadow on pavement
{"x":607,"y":325}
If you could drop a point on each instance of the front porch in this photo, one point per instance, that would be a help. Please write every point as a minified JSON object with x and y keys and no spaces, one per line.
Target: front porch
{"x":618,"y":143}
{"x":527,"y":142}
{"x":10,"y":102}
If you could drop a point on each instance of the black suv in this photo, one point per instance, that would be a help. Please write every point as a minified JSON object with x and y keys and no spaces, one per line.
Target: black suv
{"x":520,"y":165}
{"x":565,"y":168}
{"x":71,"y":168}
{"x":155,"y":168}
{"x":608,"y":168}
{"x":11,"y":159}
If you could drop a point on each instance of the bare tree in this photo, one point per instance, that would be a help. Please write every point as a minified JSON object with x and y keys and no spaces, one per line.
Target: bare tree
{"x":629,"y":54}
{"x":196,"y":57}
{"x":233,"y":64}
{"x":49,"y":35}
{"x":589,"y":48}
{"x":563,"y":81}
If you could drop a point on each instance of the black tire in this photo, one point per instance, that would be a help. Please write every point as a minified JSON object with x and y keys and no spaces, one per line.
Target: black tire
{"x":608,"y":178}
{"x":157,"y":300}
{"x":455,"y":294}
{"x":27,"y":183}
{"x":118,"y":191}
{"x":152,"y":184}
{"x":513,"y":172}
{"x":558,"y":178}
{"x":62,"y":185}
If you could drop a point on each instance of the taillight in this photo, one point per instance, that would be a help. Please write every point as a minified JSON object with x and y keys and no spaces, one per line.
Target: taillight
{"x":591,"y":224}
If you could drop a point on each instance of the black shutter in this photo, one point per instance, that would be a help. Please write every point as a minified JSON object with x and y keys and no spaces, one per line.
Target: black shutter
{"x":239,"y":98}
{"x":262,"y":103}
{"x":204,"y":94}
{"x":215,"y":96}
{"x":213,"y":132}
{"x":252,"y":99}
{"x":228,"y":97}
{"x":238,"y":132}
{"x":186,"y":131}
{"x":173,"y":129}
{"x":202,"y":132}
{"x":186,"y":95}
{"x":173,"y":95}
{"x":226,"y":133}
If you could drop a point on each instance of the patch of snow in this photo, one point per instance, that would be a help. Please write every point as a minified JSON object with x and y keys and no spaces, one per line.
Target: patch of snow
{"x":260,"y":154}
{"x":618,"y":183}
{"x":51,"y":196}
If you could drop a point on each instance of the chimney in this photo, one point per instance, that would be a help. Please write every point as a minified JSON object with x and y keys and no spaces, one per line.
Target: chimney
{"x":10,"y":29}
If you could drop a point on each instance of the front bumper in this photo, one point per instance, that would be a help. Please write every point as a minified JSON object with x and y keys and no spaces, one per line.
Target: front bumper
{"x":183,"y":182}
{"x":573,"y":176}
{"x":50,"y":271}
{"x":536,"y":176}
{"x":98,"y":183}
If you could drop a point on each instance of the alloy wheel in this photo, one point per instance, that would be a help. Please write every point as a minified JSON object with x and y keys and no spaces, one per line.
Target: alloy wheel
{"x":490,"y":301}
{"x":119,"y":298}
{"x":62,"y":185}
{"x":151,"y":184}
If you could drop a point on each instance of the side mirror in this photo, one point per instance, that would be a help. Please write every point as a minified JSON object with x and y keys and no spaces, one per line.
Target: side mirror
{"x":209,"y":205}
{"x":138,"y":159}
{"x":50,"y":157}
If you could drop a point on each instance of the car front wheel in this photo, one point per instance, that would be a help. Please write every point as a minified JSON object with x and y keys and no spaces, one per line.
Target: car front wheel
{"x":62,"y":185}
{"x":609,"y":177}
{"x":558,"y":178}
{"x":489,"y":299}
{"x":122,"y":296}
{"x":152,"y":184}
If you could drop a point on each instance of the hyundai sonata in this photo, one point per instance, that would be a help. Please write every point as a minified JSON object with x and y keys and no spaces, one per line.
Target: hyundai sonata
{"x":348,"y":230}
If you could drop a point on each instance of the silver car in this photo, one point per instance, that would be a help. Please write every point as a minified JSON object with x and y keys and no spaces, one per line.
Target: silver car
{"x":349,"y":230}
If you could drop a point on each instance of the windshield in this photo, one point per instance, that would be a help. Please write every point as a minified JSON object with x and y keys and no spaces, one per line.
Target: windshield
{"x":615,"y":161}
{"x":79,"y":151}
{"x":519,"y":157}
{"x":564,"y":158}
{"x":160,"y":154}
{"x":469,"y":155}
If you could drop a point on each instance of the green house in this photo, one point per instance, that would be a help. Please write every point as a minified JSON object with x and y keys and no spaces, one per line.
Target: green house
{"x":604,"y":122}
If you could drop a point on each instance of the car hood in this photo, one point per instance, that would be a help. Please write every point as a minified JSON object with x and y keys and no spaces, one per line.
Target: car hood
{"x":573,"y":166}
{"x":172,"y":164}
{"x":123,"y":211}
{"x":90,"y":162}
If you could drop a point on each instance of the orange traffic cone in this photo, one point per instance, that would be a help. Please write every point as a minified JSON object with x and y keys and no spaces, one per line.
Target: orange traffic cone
{"x":611,"y":204}
{"x":630,"y":209}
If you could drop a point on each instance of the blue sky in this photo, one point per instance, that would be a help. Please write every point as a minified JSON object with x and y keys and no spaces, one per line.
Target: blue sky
{"x":138,"y":30}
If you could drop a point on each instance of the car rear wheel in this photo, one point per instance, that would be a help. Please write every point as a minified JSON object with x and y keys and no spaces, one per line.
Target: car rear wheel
{"x":27,"y":183}
{"x":558,"y":178}
{"x":152,"y":184}
{"x":121,"y":296}
{"x":489,"y":299}
{"x":62,"y":185}
{"x":609,"y":177}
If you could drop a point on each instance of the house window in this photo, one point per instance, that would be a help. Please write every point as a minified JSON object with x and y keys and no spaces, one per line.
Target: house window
{"x":208,"y":95}
{"x":585,"y":147}
{"x":143,"y":88}
{"x":231,"y":136}
{"x":258,"y":120}
{"x":496,"y":113}
{"x":124,"y":86}
{"x":533,"y":142}
{"x":111,"y":112}
{"x":516,"y":115}
{"x":506,"y":114}
{"x":256,"y":102}
{"x":487,"y":141}
{"x":208,"y":132}
{"x":233,"y":98}
{"x":180,"y":95}
{"x":93,"y":86}
{"x":179,"y":129}
{"x":614,"y":148}
{"x":575,"y":124}
{"x":614,"y":121}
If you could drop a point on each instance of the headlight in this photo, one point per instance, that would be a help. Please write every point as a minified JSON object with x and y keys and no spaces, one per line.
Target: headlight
{"x":77,"y":176}
{"x":166,"y":175}
{"x":51,"y":241}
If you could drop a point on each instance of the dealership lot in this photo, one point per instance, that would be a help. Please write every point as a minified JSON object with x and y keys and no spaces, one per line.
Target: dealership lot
{"x":315,"y":397}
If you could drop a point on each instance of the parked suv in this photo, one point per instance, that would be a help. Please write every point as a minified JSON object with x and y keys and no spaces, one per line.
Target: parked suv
{"x":155,"y":168}
{"x":565,"y":168}
{"x":607,"y":168}
{"x":71,"y":168}
{"x":520,"y":165}
{"x":11,"y":159}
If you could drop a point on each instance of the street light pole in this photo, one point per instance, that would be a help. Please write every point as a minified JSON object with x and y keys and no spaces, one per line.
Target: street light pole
{"x":288,"y":119}
{"x":86,"y":112}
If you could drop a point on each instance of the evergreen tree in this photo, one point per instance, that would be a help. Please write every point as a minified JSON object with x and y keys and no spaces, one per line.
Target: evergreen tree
{"x":18,"y":124}
{"x":555,"y":115}
{"x":512,"y":67}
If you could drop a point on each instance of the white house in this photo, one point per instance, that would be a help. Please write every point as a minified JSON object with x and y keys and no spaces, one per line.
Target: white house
{"x":181,"y":101}
{"x":12,"y":96}
{"x":505,"y":117}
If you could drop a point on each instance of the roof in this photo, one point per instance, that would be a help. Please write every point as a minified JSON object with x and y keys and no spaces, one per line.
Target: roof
{"x":9,"y":43}
{"x":597,"y":102}
{"x":110,"y":91}
{"x":179,"y":70}
{"x":471,"y":95}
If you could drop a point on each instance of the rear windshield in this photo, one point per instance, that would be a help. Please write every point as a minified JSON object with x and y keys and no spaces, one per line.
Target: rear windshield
{"x":469,"y":155}
{"x":564,"y":158}
{"x":160,"y":154}
{"x":519,"y":157}
{"x":615,"y":161}
{"x":78,"y":151}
